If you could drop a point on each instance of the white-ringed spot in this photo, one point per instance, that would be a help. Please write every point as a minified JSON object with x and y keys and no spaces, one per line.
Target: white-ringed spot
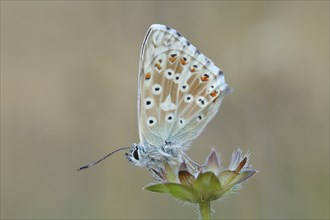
{"x":151,"y":121}
{"x":169,"y":74}
{"x":210,"y":89}
{"x":156,"y":89}
{"x":176,"y":78}
{"x":170,"y":117}
{"x":149,"y":103}
{"x":184,"y":87}
{"x":201,"y":101}
{"x":181,"y":121}
{"x":188,"y":98}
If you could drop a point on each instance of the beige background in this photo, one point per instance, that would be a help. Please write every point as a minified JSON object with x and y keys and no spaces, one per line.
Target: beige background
{"x":68,"y":96}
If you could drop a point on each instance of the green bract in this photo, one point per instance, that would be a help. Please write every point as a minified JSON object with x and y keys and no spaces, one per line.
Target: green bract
{"x":205,"y":188}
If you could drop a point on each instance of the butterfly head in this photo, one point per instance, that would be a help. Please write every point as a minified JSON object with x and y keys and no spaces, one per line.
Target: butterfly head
{"x":135,"y":155}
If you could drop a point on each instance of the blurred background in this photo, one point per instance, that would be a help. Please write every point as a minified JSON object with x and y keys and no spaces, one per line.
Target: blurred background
{"x":68,"y":96}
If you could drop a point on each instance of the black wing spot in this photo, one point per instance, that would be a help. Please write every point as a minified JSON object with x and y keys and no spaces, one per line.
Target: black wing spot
{"x":201,"y":101}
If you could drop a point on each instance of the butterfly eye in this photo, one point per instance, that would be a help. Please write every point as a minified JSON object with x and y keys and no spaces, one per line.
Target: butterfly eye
{"x":136,"y":154}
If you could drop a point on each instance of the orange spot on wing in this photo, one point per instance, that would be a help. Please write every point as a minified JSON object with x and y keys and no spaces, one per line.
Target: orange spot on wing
{"x":192,"y":69}
{"x":205,"y":77}
{"x":215,"y":99}
{"x":183,"y":62}
{"x":172,"y":59}
{"x":147,"y":76}
{"x":158,"y":66}
{"x":214,"y":93}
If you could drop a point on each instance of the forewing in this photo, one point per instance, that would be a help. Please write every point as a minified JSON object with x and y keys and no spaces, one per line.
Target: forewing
{"x":180,"y":90}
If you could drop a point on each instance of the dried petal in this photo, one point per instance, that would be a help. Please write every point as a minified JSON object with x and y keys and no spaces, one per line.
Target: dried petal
{"x":213,"y":163}
{"x":183,"y":166}
{"x":230,"y":179}
{"x":240,"y":165}
{"x":226,"y":177}
{"x":235,"y":159}
{"x":186,"y":178}
{"x":244,"y":176}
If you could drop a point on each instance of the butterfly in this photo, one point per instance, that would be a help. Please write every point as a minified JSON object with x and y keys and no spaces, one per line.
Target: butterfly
{"x":179,"y":91}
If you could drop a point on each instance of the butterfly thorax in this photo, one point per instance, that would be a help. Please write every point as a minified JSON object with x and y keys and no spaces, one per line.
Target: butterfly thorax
{"x":150,"y":156}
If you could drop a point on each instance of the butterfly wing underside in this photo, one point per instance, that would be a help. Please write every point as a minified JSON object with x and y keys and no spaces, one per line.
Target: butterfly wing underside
{"x":179,"y":91}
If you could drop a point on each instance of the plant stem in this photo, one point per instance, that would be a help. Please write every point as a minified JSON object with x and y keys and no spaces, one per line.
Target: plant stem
{"x":205,"y":210}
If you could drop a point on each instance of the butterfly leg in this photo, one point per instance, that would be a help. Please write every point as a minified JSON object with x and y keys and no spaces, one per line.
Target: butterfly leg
{"x":192,"y":164}
{"x":158,"y":176}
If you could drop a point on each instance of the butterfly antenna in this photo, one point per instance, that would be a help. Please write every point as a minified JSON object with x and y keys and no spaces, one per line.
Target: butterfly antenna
{"x":103,"y":158}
